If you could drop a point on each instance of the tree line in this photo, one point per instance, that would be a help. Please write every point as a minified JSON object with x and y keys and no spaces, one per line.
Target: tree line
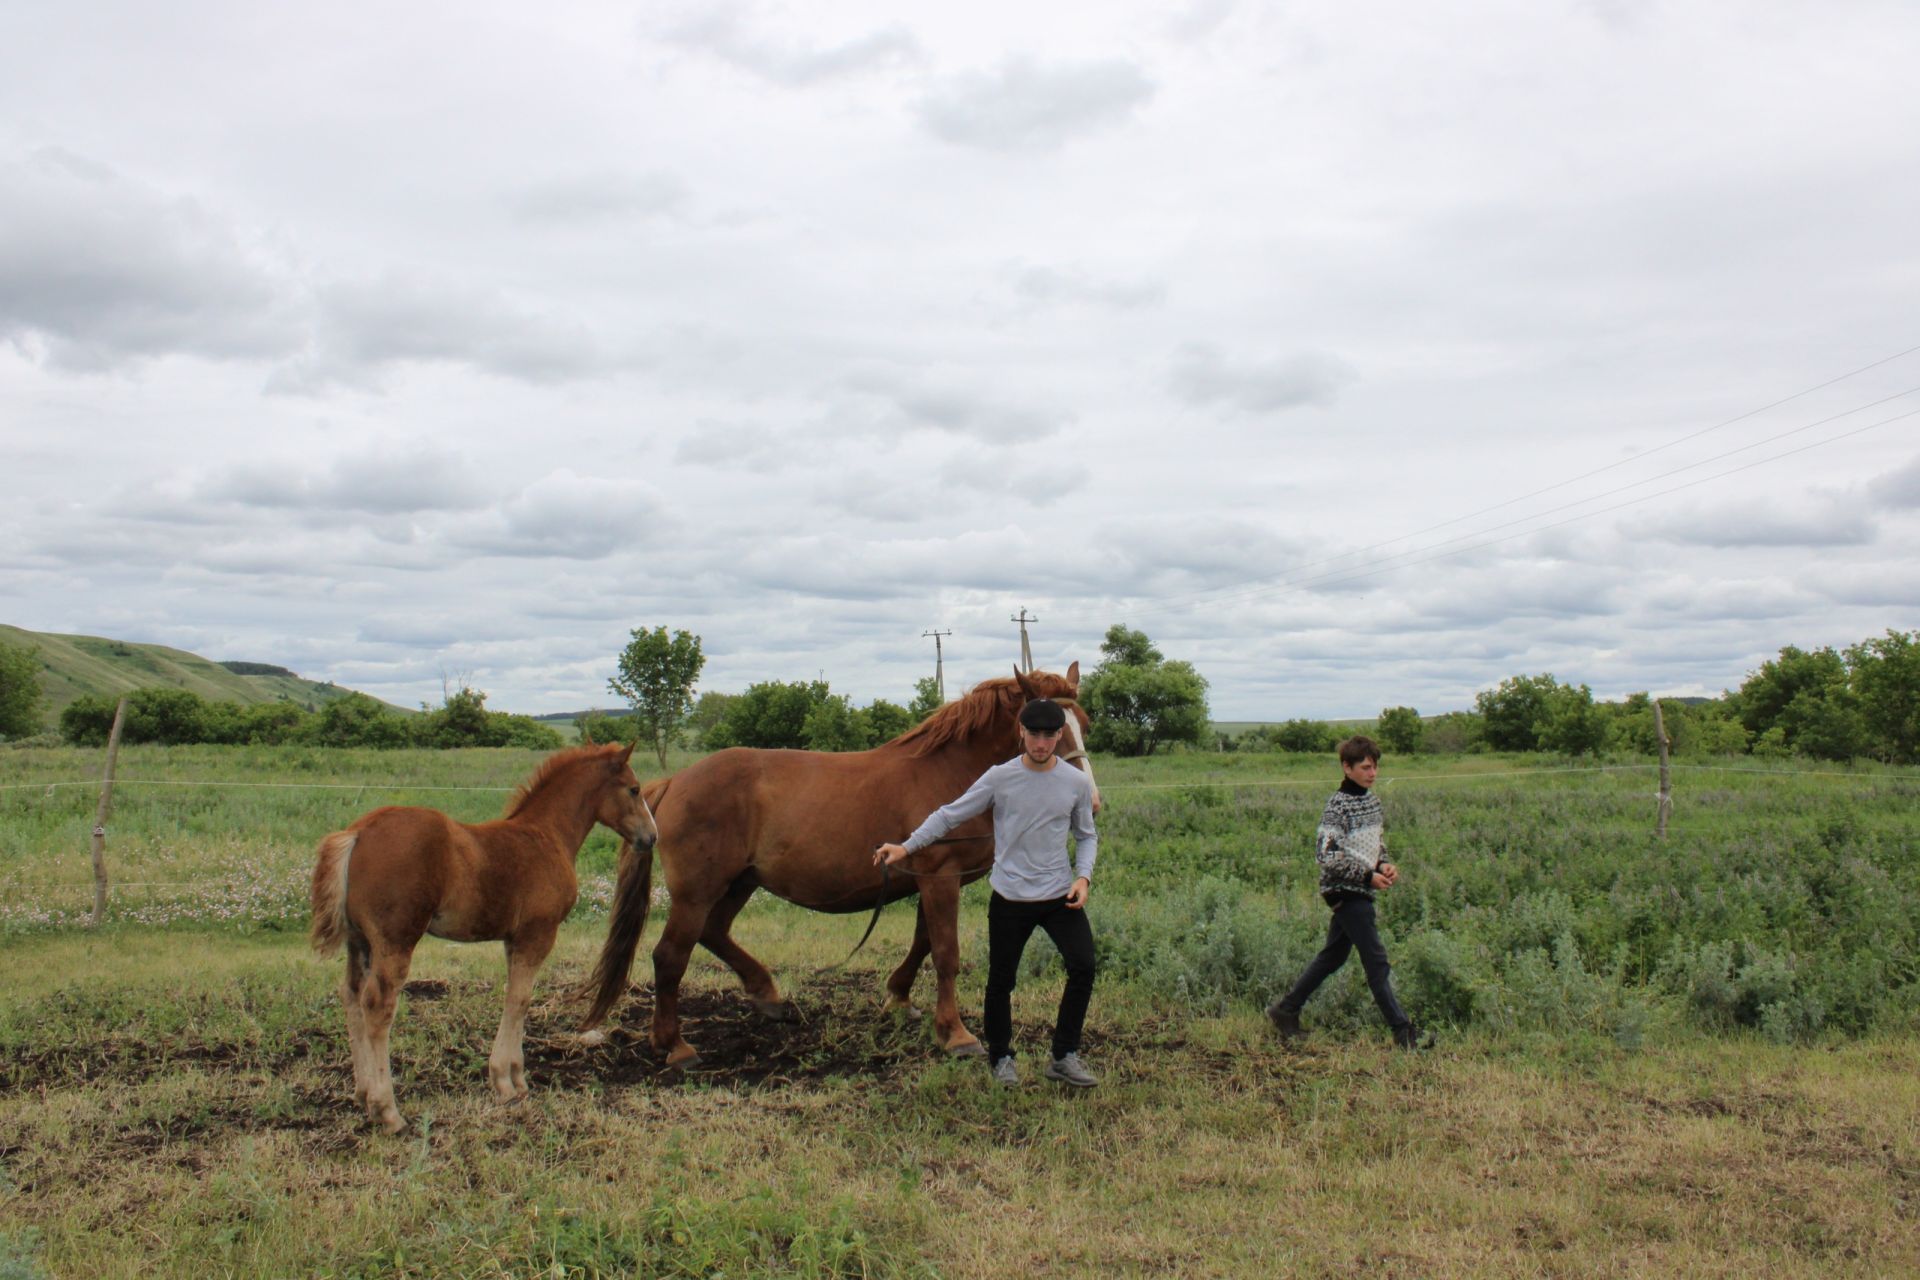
{"x":1862,"y":701}
{"x":178,"y":717}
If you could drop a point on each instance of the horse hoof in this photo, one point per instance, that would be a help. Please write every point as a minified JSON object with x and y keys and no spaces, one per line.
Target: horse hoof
{"x":776,"y":1010}
{"x":973,"y":1049}
{"x":591,"y":1038}
{"x":900,"y":1008}
{"x":683,"y":1057}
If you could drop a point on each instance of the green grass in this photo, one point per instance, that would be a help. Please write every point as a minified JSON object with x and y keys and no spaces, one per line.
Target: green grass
{"x":1611,"y":1093}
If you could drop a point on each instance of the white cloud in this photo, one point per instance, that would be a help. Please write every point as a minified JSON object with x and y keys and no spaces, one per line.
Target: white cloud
{"x":1204,"y":375}
{"x":1025,"y":105}
{"x":725,"y":32}
{"x":98,"y":270}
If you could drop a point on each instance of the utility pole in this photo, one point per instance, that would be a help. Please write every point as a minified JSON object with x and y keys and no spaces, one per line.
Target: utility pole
{"x":1026,"y":649}
{"x":939,"y":663}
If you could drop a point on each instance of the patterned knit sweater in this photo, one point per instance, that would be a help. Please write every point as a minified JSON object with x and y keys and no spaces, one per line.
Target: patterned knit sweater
{"x":1351,"y":842}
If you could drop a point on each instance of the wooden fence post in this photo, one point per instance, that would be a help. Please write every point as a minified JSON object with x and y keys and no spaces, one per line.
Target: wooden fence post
{"x":1666,"y":774}
{"x":100,"y":817}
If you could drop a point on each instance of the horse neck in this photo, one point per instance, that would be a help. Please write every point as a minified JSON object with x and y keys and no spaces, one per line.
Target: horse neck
{"x":973,"y":755}
{"x":565,"y":805}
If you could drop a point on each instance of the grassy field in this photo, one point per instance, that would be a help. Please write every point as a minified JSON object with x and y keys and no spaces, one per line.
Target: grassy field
{"x":1656,"y":1058}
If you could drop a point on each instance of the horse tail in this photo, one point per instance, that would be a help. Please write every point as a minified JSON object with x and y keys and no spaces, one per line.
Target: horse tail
{"x":330,"y":892}
{"x":632,"y":895}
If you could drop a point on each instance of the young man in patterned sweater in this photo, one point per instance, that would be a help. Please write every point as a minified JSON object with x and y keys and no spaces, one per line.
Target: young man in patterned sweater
{"x":1352,"y":852}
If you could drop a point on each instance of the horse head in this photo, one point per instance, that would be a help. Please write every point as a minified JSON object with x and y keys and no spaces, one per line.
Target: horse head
{"x":1064,"y":690}
{"x":622,"y":807}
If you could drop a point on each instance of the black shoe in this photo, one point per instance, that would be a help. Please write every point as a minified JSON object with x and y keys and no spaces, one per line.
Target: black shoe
{"x":1411,"y":1038}
{"x":1285,"y":1021}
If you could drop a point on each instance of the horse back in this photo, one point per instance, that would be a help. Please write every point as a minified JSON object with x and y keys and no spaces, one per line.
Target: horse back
{"x":415,"y":871}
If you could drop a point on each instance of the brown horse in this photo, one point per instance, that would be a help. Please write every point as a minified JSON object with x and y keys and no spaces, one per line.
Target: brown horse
{"x":398,"y":873}
{"x":803,"y":825}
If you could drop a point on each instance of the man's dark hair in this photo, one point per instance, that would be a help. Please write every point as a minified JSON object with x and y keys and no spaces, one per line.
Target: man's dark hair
{"x":1359,"y":747}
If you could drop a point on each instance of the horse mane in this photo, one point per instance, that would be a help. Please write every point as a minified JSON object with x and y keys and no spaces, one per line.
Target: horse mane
{"x":554,"y":765}
{"x":978,"y":711}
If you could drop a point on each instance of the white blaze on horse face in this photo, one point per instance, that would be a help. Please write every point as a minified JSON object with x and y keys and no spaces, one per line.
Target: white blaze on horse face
{"x":1080,"y":756}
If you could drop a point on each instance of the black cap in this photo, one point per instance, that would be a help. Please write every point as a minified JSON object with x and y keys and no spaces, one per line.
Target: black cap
{"x":1043,"y":716}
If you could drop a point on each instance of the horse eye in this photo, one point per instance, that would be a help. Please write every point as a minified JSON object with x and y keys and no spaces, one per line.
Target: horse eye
{"x":633,"y":791}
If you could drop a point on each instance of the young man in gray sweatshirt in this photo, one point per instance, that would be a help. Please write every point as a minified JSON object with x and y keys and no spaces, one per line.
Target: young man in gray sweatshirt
{"x":1036,"y":802}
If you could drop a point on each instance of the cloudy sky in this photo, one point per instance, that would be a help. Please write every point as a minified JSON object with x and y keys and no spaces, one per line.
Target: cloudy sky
{"x":1360,"y":354}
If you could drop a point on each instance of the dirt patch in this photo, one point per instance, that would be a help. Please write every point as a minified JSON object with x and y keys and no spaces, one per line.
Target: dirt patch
{"x":836,"y":1028}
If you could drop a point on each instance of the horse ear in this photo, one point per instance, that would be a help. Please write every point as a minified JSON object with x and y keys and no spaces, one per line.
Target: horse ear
{"x":1073,"y":675}
{"x":1026,"y":685}
{"x":628,"y":753}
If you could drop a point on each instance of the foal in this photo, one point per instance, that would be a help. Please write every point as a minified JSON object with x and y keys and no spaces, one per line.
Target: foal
{"x":398,"y":873}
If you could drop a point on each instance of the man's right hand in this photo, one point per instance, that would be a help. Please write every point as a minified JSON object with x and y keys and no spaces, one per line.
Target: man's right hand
{"x":891,"y":854}
{"x":1384,"y":876}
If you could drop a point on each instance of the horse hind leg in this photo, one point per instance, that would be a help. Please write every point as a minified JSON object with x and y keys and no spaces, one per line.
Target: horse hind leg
{"x":350,"y":988}
{"x":717,"y":937}
{"x":685,"y":921}
{"x":940,"y":900}
{"x":507,"y":1065}
{"x":379,"y":992}
{"x":899,"y":995}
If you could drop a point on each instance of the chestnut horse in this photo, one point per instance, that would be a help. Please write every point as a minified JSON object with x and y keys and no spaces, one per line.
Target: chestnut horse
{"x":803,"y":826}
{"x":398,"y":873}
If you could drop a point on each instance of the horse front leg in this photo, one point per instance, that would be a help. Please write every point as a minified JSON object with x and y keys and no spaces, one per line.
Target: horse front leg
{"x":685,"y":922}
{"x":899,"y":996}
{"x":940,"y":903}
{"x":507,"y":1064}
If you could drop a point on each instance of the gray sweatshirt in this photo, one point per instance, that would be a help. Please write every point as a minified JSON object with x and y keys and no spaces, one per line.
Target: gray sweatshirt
{"x":1033,"y":810}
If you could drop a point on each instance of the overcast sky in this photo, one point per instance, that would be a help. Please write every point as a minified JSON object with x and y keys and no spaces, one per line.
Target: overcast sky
{"x":1356,"y":353}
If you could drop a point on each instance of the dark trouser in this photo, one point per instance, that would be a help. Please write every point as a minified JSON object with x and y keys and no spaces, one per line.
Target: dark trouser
{"x":1009,"y":925}
{"x":1352,"y":927}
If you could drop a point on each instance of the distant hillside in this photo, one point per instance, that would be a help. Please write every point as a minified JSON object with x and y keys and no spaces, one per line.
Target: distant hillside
{"x":74,"y":665}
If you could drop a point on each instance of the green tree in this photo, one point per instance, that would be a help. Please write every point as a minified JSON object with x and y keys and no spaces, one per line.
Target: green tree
{"x":926,"y":699}
{"x":19,"y":691}
{"x":88,"y":719}
{"x":1126,"y":647}
{"x":1514,"y":713}
{"x":887,"y":721}
{"x":172,"y":717}
{"x":832,"y":724}
{"x":1315,"y":737}
{"x":1885,"y":675}
{"x":1453,"y":733}
{"x":599,"y":727}
{"x":770,"y":714}
{"x":1785,"y":692}
{"x":1571,"y":724}
{"x":657,"y":674}
{"x":707,"y":712}
{"x":1399,"y":730}
{"x":1138,"y":701}
{"x":356,"y":721}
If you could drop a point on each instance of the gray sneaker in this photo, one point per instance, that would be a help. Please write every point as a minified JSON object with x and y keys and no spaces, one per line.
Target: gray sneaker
{"x":1005,"y":1073}
{"x":1070,"y":1070}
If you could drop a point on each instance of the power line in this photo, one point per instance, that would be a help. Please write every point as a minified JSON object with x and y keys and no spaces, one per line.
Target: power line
{"x":1233,"y":590}
{"x":1351,"y":572}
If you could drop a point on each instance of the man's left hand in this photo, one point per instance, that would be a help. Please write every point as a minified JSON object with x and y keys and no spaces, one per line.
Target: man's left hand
{"x":1077,"y":896}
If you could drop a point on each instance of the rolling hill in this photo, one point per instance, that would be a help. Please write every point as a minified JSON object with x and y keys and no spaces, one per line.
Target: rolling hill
{"x":74,"y":665}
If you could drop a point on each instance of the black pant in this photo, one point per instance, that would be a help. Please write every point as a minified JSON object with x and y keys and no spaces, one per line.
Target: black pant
{"x":1009,"y":925}
{"x":1352,"y":927}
